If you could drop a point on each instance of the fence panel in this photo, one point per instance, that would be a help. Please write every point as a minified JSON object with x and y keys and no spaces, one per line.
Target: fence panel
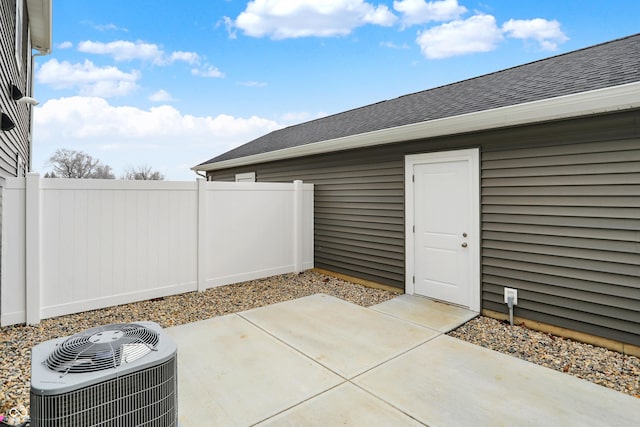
{"x":251,"y":231}
{"x":100,"y":243}
{"x":13,"y":267}
{"x":107,"y":243}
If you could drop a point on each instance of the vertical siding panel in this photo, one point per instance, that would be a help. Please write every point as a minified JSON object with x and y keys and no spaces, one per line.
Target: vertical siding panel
{"x":85,"y":256}
{"x":51,"y":275}
{"x":68,"y":215}
{"x":163,"y":238}
{"x":153,"y":248}
{"x":119,"y":250}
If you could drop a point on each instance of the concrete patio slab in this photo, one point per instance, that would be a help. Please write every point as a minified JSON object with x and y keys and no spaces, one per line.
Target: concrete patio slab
{"x":344,"y":337}
{"x":343,"y":405}
{"x":448,"y":382}
{"x":233,"y":374}
{"x":266,"y":366}
{"x":423,"y":311}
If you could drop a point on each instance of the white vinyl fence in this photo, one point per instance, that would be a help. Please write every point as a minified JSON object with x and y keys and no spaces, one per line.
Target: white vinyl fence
{"x":75,"y":245}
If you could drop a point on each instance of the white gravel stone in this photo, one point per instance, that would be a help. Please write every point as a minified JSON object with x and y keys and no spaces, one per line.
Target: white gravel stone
{"x":596,"y":364}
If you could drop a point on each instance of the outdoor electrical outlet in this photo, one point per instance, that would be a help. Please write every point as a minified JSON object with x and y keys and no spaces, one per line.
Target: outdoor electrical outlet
{"x":510,"y":292}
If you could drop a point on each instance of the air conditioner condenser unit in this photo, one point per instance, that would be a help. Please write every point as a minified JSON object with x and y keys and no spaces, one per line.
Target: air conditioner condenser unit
{"x":114,"y":375}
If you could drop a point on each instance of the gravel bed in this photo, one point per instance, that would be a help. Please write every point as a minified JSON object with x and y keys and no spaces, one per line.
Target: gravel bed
{"x":16,"y":341}
{"x":595,"y":364}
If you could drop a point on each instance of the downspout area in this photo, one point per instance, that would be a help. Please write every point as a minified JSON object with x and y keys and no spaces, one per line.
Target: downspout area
{"x":510,"y":305}
{"x":40,"y":52}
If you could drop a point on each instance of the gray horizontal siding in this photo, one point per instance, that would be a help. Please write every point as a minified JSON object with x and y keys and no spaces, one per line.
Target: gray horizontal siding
{"x":562,"y":225}
{"x":560,"y":217}
{"x":591,"y":223}
{"x":15,"y":141}
{"x":359,"y":215}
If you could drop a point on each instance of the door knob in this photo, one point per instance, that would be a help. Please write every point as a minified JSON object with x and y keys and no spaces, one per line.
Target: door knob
{"x":464,"y":245}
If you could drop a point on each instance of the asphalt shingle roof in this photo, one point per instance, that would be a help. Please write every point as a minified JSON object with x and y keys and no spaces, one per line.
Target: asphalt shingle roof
{"x":609,"y":64}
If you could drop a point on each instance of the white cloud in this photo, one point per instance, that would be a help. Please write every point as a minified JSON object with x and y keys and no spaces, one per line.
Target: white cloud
{"x":162,"y":137}
{"x":548,"y":34}
{"x":280,"y":19}
{"x":65,"y":45}
{"x":380,"y":15}
{"x":208,"y":71}
{"x":161,"y":96}
{"x":103,"y":27}
{"x":109,"y":27}
{"x":89,"y":79}
{"x":421,"y":11}
{"x":229,"y":26}
{"x":188,"y":57}
{"x":123,"y":50}
{"x":392,"y":45}
{"x":478,"y":33}
{"x":86,"y":118}
{"x":252,"y":84}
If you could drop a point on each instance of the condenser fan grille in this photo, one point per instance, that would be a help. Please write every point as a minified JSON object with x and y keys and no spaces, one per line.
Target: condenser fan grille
{"x":104,"y":347}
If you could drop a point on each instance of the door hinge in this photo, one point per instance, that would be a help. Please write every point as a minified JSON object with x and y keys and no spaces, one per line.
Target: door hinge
{"x":414,"y":279}
{"x":413,"y":178}
{"x":414,"y":228}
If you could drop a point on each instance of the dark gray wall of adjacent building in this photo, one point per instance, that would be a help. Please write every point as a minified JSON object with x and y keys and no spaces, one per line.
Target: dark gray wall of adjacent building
{"x":562,"y":225}
{"x":560,"y":217}
{"x":14,"y":144}
{"x":15,"y":154}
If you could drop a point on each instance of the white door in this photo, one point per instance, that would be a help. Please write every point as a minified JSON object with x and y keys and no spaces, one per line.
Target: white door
{"x":444,"y":227}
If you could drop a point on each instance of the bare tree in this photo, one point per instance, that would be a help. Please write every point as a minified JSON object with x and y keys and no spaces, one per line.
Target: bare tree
{"x":77,"y":164}
{"x":103,"y":172}
{"x":142,"y":172}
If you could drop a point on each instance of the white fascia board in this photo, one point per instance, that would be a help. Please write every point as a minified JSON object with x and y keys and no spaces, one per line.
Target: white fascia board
{"x":616,"y":98}
{"x":40,"y":17}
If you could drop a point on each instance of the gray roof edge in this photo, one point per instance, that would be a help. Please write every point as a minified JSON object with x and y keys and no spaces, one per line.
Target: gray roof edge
{"x":610,"y":99}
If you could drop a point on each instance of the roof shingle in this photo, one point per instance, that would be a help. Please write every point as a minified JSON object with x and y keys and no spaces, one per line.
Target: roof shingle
{"x":605,"y":65}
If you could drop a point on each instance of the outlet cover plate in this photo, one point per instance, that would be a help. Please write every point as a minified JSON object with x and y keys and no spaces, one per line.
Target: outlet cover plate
{"x":511,"y":292}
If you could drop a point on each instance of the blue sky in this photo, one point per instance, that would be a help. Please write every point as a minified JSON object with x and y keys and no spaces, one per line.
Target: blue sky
{"x":172,"y":84}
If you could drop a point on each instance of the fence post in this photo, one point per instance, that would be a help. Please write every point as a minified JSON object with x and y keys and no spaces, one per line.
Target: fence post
{"x":32,"y":248}
{"x":202,"y":235}
{"x":297,"y":226}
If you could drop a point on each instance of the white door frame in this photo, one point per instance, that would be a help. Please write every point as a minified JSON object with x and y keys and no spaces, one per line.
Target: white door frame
{"x":473,"y":157}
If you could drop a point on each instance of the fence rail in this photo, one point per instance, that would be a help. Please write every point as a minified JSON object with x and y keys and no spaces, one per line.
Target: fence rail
{"x":75,"y":245}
